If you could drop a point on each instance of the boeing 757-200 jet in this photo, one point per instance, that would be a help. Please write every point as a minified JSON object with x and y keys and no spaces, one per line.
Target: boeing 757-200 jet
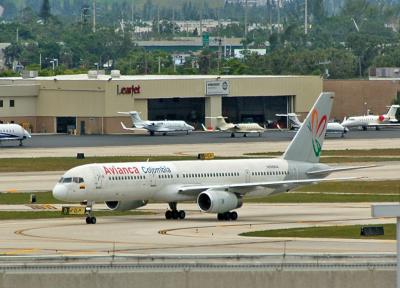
{"x":217,"y":186}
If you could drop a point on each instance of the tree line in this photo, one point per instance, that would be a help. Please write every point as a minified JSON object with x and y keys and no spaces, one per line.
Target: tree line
{"x":338,"y":45}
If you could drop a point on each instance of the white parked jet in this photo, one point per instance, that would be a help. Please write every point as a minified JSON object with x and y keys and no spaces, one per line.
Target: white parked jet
{"x":164,"y":127}
{"x":240,"y":128}
{"x":375,"y":121}
{"x":332,"y":128}
{"x":13,"y":132}
{"x":218,"y":186}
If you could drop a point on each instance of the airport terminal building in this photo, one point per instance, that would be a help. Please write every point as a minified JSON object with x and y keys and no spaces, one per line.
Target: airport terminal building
{"x":89,"y":103}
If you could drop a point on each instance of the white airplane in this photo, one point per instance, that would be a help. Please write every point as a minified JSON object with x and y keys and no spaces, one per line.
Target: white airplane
{"x":13,"y":132}
{"x":241,"y":128}
{"x":375,"y":121}
{"x":164,"y":127}
{"x":218,"y":186}
{"x":332,"y":128}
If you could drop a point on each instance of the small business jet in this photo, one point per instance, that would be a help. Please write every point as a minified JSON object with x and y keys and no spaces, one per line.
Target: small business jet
{"x":332,"y":128}
{"x":217,"y":186}
{"x":13,"y":132}
{"x":163,"y":127}
{"x":239,"y":128}
{"x":374,"y":121}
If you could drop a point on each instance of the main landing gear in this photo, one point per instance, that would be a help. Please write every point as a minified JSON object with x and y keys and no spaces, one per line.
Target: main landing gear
{"x":174,"y":213}
{"x":90,"y":219}
{"x":227,"y":216}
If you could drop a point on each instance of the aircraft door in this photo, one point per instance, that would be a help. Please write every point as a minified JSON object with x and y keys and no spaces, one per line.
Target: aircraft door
{"x":247,"y":176}
{"x":98,"y":177}
{"x":293,"y":172}
{"x":152,"y":181}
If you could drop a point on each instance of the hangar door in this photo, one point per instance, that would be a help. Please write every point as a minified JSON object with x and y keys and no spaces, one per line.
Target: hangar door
{"x":190,"y":110}
{"x":259,"y":109}
{"x":66,"y":124}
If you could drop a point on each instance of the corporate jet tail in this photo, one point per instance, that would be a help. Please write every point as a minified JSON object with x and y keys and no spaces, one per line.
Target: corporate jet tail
{"x":221,"y":124}
{"x":392,"y":111}
{"x":136,"y":120}
{"x":307,"y":144}
{"x":293,"y":119}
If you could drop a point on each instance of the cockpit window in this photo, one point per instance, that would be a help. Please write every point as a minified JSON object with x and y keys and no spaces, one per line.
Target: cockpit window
{"x":78,"y":179}
{"x":67,"y":180}
{"x":71,"y":179}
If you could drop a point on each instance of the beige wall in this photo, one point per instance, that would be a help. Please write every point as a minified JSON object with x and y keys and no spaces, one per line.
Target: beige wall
{"x":71,"y":98}
{"x":351,"y":96}
{"x":45,"y":124}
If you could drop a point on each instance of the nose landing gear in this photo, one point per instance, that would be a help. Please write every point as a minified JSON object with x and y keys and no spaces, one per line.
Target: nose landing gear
{"x":90,"y":219}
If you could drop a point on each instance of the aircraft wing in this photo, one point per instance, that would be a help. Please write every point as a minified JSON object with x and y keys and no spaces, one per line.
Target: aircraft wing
{"x":157,"y":127}
{"x":249,"y":131}
{"x":243,"y":188}
{"x":126,"y":128}
{"x":384,"y":125}
{"x":131,"y":128}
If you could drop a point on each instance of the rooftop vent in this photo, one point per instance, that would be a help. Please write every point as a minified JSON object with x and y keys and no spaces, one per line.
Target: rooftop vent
{"x":115,"y":73}
{"x":29,"y":74}
{"x":92,"y":74}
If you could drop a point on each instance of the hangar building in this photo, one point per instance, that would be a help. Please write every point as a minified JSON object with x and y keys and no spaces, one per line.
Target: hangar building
{"x":89,"y":103}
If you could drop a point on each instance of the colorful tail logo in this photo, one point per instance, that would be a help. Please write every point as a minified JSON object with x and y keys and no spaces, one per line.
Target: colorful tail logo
{"x":317,"y":128}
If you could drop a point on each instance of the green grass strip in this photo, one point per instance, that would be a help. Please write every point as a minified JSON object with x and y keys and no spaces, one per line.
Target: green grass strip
{"x":324,"y":198}
{"x":344,"y":232}
{"x":14,"y":215}
{"x":347,"y":152}
{"x":24,"y":198}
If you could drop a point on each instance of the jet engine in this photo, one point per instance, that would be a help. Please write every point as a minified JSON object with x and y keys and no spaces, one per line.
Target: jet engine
{"x":215,"y":201}
{"x":124,"y":205}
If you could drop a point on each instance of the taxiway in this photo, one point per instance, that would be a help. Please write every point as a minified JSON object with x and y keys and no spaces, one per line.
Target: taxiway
{"x":198,"y":234}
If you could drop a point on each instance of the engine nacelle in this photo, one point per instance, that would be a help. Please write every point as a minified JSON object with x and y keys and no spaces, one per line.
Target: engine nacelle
{"x":124,"y":205}
{"x":215,"y":201}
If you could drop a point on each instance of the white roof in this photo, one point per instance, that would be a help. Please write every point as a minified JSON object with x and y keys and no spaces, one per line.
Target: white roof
{"x":152,"y":77}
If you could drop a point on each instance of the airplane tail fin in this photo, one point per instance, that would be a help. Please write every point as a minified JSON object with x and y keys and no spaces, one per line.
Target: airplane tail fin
{"x":220,"y":123}
{"x":294,"y":120}
{"x":392,"y":111}
{"x":306,"y":146}
{"x":136,"y":120}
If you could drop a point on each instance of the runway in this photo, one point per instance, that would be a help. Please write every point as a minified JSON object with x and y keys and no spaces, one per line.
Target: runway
{"x":54,"y":141}
{"x":198,"y":234}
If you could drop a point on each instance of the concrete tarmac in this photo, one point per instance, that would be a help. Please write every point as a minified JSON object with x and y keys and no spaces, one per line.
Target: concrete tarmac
{"x":199,"y":233}
{"x":220,"y":149}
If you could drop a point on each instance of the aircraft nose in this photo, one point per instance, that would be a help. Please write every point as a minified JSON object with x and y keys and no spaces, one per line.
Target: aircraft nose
{"x":191,"y":127}
{"x":26,"y":134}
{"x":60,"y":192}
